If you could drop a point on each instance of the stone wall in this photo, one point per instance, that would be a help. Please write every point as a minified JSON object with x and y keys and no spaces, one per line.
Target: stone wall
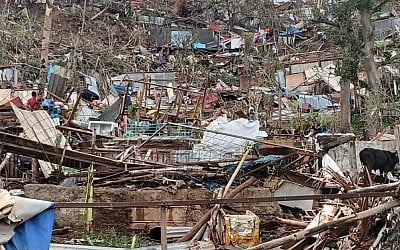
{"x":141,"y":218}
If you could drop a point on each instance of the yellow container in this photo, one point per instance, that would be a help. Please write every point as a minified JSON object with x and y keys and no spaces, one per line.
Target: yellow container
{"x":242,"y":230}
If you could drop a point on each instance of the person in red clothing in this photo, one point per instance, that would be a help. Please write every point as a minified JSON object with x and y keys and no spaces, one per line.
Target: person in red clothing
{"x":32,"y":101}
{"x":121,"y":125}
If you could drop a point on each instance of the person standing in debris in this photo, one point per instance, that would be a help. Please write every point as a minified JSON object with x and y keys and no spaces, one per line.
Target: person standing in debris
{"x":267,"y":34}
{"x":32,"y":101}
{"x":121,"y":126}
{"x":251,"y":115}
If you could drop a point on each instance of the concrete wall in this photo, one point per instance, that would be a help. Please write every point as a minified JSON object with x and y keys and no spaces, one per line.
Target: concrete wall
{"x":344,"y":154}
{"x":140,"y":218}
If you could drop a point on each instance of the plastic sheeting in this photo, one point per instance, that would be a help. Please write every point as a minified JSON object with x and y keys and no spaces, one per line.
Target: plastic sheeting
{"x":329,"y":165}
{"x":248,"y":165}
{"x":316,"y":101}
{"x":33,"y":234}
{"x":27,"y":223}
{"x":215,"y":146}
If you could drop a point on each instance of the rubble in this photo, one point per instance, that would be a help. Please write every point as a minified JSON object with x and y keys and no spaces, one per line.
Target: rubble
{"x":199,"y":96}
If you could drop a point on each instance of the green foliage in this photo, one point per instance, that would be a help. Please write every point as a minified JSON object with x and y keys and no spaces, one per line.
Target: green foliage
{"x":305,"y":122}
{"x":357,"y":124}
{"x":228,"y":79}
{"x":346,"y":34}
{"x":388,"y":121}
{"x":313,"y":120}
{"x":132,"y":109}
{"x":110,"y":238}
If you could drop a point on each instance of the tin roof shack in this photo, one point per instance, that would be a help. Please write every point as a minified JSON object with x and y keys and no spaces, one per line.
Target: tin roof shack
{"x":385,"y":28}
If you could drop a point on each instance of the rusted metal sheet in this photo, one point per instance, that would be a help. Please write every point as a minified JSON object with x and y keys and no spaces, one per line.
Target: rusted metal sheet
{"x":243,"y":229}
{"x":172,"y":232}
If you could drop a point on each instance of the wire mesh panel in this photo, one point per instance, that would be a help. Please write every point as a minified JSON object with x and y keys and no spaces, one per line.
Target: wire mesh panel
{"x":145,"y":129}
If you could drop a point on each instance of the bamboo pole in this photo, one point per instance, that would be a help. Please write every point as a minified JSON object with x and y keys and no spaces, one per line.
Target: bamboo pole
{"x":290,"y":239}
{"x":239,"y":166}
{"x":71,"y":116}
{"x":376,"y":188}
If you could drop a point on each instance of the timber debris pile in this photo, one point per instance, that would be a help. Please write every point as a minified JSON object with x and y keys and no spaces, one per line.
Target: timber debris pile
{"x":207,"y":125}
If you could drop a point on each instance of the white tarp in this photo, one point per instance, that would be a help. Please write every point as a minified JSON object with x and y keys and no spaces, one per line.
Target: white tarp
{"x":329,"y":166}
{"x":91,"y":84}
{"x":215,"y":146}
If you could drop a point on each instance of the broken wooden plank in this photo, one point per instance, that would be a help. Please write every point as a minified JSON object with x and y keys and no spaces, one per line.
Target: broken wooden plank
{"x":326,"y":226}
{"x":18,"y":145}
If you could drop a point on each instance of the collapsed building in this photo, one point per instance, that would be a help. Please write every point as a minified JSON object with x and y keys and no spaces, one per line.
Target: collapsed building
{"x":194,"y":143}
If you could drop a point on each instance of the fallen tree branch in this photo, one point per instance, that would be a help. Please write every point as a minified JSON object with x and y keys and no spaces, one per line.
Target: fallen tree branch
{"x":290,"y":239}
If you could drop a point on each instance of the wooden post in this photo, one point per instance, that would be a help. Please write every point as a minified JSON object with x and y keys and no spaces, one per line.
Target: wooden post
{"x":35,"y":169}
{"x":163,"y":211}
{"x":44,"y":51}
{"x":93,"y":141}
{"x":397,"y":135}
{"x":353,"y":159}
{"x":239,"y":166}
{"x":141,"y":96}
{"x":71,"y":116}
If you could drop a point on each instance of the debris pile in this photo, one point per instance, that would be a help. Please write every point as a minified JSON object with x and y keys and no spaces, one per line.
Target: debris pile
{"x":192,"y":96}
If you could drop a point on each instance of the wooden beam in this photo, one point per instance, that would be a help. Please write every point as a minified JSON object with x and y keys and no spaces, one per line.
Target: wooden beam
{"x":72,"y":158}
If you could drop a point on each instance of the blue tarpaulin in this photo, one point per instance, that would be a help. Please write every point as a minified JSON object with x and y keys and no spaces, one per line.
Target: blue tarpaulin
{"x":248,"y":165}
{"x":199,"y":45}
{"x":316,"y":101}
{"x":118,"y":88}
{"x":33,"y":234}
{"x":290,"y":31}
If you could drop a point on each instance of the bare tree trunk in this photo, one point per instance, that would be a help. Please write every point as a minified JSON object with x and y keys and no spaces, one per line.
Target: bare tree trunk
{"x":368,"y":40}
{"x":345,"y":125}
{"x":373,"y":101}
